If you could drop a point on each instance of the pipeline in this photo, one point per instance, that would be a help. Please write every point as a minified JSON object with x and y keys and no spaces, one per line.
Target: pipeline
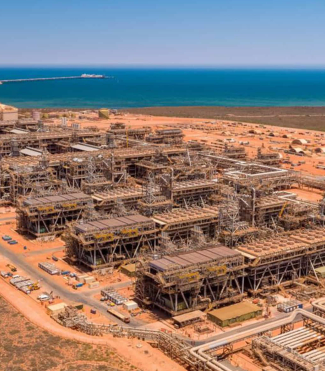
{"x":319,"y":304}
{"x":199,"y":351}
{"x":197,"y":355}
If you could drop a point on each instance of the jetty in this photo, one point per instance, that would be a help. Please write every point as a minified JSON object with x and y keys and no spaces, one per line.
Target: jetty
{"x":83,"y":76}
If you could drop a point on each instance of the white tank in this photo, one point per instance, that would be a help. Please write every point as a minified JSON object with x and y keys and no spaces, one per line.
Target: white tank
{"x":36,"y":115}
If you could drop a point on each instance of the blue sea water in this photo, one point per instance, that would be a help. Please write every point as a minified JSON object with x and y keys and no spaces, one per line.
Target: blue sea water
{"x":145,"y":87}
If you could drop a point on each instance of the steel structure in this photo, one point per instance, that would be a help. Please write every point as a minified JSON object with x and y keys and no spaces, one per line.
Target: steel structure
{"x":103,"y":242}
{"x":199,"y":279}
{"x":286,"y":257}
{"x":178,"y":223}
{"x":46,"y":217}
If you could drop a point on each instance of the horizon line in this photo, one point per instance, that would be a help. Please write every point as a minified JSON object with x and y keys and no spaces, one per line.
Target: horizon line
{"x":166,"y":66}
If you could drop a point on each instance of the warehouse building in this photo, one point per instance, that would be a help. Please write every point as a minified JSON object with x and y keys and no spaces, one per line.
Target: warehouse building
{"x":8,"y":113}
{"x":234,"y":314}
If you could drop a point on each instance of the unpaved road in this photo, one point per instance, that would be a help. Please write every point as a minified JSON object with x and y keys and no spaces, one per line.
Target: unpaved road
{"x":145,"y":358}
{"x":20,"y":262}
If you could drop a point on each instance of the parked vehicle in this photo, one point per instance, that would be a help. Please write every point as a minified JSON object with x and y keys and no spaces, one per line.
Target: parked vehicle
{"x":119,"y":315}
{"x":12,"y":267}
{"x":12,"y":242}
{"x":6,"y":238}
{"x":43,"y":297}
{"x":77,"y":285}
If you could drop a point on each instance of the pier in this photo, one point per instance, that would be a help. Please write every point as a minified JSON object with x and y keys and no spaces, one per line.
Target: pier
{"x":83,"y":76}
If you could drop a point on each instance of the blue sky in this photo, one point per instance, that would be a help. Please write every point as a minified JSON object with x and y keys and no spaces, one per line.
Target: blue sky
{"x":163,"y":32}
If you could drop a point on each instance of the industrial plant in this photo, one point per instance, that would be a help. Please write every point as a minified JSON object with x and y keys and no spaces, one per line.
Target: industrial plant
{"x":204,"y":228}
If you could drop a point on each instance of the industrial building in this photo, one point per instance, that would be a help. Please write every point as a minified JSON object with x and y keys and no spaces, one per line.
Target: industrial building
{"x":8,"y":113}
{"x":179,"y":223}
{"x":271,"y":262}
{"x":297,"y":349}
{"x":104,"y":242}
{"x":195,"y":280}
{"x":46,"y":217}
{"x":235,"y":313}
{"x":202,"y":226}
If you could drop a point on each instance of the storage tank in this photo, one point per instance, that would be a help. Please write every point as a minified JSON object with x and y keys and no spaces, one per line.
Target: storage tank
{"x":103,"y":113}
{"x":36,"y":115}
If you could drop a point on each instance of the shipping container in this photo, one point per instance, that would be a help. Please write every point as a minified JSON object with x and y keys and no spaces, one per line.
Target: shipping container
{"x":49,"y":268}
{"x":119,"y":315}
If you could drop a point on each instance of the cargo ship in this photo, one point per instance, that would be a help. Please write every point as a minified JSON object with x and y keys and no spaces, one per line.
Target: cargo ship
{"x":92,"y":76}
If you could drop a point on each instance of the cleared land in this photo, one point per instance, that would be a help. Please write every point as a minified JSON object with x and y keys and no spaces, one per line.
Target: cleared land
{"x":26,"y":347}
{"x":312,"y":118}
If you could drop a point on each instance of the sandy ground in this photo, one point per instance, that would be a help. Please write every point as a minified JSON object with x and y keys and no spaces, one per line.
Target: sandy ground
{"x":25,"y":243}
{"x":308,"y":195}
{"x":140,"y":354}
{"x":269,"y":138}
{"x":205,"y":131}
{"x":241,"y":360}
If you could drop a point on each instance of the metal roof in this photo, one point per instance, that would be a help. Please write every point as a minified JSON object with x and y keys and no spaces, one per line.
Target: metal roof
{"x":55,"y":198}
{"x":85,"y":147}
{"x":189,"y":316}
{"x":31,"y":152}
{"x":111,"y":223}
{"x":19,"y":131}
{"x":191,"y":258}
{"x":233,"y":311}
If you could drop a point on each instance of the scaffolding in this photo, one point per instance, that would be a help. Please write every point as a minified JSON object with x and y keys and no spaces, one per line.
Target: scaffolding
{"x":297,"y":349}
{"x":200,"y":279}
{"x":53,"y":141}
{"x":106,"y":242}
{"x":187,"y":193}
{"x":106,"y":201}
{"x":283,"y":258}
{"x":166,"y":136}
{"x":152,"y":202}
{"x":179,"y":223}
{"x":46,"y":217}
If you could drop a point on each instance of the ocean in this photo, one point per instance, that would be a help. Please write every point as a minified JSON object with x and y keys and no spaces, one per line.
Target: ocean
{"x":149,"y":87}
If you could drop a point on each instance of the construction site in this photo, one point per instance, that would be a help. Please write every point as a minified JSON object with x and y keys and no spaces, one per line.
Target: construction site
{"x":199,"y":224}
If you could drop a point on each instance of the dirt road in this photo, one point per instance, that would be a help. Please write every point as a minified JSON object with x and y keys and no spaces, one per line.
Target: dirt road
{"x":20,"y":262}
{"x":138,"y":353}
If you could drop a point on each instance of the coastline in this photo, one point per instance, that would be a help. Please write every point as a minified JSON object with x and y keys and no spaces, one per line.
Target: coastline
{"x":310,"y":118}
{"x":304,"y":117}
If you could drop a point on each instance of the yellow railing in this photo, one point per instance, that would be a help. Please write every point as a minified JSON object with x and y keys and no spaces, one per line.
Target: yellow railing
{"x":130,"y":232}
{"x":104,"y":236}
{"x":219,"y":270}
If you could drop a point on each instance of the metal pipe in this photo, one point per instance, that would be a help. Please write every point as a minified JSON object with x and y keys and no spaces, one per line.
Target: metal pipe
{"x":199,"y":351}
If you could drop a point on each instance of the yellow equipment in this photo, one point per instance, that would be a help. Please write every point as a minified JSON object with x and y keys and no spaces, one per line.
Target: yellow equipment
{"x":218,"y":270}
{"x":130,"y":232}
{"x":34,"y":286}
{"x":69,"y":206}
{"x":45,"y":208}
{"x":283,"y":208}
{"x":208,"y":308}
{"x":104,"y":236}
{"x":121,"y":266}
{"x":12,"y":267}
{"x":194,"y":276}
